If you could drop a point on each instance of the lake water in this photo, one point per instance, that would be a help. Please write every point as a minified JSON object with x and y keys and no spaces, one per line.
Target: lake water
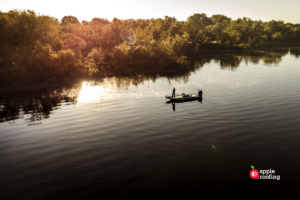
{"x":119,"y":137}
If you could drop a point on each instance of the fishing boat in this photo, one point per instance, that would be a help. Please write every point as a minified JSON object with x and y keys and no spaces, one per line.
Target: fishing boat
{"x":184,"y":97}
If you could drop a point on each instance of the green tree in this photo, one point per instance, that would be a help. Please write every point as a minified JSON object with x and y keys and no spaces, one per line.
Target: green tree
{"x":220,"y":19}
{"x":69,"y":19}
{"x":193,"y":26}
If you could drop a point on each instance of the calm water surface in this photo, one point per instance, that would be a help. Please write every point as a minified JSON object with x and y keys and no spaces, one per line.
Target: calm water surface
{"x":119,"y":138}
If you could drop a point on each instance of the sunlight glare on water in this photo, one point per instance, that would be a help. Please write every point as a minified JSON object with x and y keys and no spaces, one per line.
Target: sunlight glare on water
{"x":89,"y":93}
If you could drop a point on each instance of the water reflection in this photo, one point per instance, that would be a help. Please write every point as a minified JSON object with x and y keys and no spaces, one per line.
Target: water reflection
{"x":90,"y":93}
{"x":34,"y":106}
{"x":232,"y":60}
{"x":200,"y":100}
{"x":295,"y":52}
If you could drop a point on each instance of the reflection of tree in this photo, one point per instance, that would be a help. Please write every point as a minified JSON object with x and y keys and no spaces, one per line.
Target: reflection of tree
{"x":295,"y":52}
{"x":226,"y":60}
{"x":232,"y":60}
{"x":32,"y":106}
{"x":229,"y":61}
{"x":39,"y":104}
{"x":126,"y":81}
{"x":8,"y":110}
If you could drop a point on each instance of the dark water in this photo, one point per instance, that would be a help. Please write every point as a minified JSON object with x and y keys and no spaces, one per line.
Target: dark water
{"x":118,"y":138}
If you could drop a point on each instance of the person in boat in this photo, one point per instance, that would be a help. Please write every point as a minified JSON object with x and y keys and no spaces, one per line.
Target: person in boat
{"x":173,"y":94}
{"x":200,"y":93}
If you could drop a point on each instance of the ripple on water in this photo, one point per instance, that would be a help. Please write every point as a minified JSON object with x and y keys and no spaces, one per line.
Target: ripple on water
{"x":128,"y":137}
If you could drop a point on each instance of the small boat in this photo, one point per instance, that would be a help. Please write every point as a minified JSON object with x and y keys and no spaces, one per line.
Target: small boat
{"x":184,"y":97}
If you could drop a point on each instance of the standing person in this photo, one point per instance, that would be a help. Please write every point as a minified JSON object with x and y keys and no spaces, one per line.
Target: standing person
{"x":200,"y":93}
{"x":173,"y":94}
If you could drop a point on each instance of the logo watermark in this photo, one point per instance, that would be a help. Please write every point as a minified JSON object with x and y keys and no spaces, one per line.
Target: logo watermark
{"x":263,"y":174}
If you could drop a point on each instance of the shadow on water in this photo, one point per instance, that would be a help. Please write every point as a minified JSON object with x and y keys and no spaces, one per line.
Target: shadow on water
{"x":34,"y":106}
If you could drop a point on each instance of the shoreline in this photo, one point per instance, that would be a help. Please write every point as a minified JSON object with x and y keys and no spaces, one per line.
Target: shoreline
{"x":250,"y":49}
{"x":130,"y":73}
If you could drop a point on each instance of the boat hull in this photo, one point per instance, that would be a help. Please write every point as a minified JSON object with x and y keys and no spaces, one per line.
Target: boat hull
{"x":186,"y":98}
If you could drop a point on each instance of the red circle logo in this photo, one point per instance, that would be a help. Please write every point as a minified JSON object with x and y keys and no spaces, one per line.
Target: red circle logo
{"x":254,"y":174}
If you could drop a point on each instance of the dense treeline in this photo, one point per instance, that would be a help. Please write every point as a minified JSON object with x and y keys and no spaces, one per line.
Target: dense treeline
{"x":40,"y":49}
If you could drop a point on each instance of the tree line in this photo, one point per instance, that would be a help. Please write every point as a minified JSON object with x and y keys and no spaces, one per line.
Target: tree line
{"x":41,"y":49}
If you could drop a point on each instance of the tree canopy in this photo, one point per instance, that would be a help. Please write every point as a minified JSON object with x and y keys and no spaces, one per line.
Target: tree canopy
{"x":38,"y":48}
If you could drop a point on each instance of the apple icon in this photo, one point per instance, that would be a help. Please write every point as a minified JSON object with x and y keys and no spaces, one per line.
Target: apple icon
{"x":254,"y":173}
